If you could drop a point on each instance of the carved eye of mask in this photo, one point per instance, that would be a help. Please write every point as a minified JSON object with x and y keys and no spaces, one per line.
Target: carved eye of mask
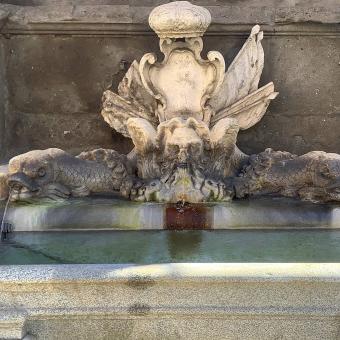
{"x":41,"y":172}
{"x":173,"y":149}
{"x":195,"y":148}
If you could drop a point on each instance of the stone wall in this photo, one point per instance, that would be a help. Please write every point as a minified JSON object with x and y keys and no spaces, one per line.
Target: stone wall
{"x":57,"y":59}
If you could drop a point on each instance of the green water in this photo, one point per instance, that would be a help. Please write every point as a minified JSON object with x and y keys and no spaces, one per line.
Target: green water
{"x":145,"y":247}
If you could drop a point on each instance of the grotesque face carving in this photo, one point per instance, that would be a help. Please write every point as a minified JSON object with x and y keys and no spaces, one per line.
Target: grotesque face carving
{"x":183,"y":145}
{"x":183,"y":142}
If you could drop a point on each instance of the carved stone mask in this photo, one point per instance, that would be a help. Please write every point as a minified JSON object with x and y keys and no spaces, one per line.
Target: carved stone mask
{"x":183,"y":145}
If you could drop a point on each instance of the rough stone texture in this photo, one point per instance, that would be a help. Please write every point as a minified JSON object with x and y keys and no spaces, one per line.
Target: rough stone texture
{"x":72,"y":58}
{"x":63,"y":106}
{"x":3,"y":186}
{"x":172,"y":301}
{"x":305,"y":116}
{"x":3,"y":102}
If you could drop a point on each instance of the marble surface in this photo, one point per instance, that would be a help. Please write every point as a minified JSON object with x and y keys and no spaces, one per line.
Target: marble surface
{"x":171,"y":301}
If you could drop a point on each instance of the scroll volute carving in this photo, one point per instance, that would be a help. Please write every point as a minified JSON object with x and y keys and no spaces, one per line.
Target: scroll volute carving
{"x":183,"y":82}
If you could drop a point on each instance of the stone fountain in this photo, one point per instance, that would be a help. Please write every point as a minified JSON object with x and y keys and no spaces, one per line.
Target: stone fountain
{"x":183,"y":112}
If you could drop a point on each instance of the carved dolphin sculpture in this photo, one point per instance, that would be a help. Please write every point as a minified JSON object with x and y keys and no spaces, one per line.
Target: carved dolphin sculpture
{"x":314,"y":176}
{"x":55,"y":174}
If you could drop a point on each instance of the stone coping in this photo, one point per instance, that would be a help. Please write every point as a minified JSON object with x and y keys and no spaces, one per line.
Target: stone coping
{"x":132,"y":19}
{"x":197,"y":301}
{"x":184,"y":272}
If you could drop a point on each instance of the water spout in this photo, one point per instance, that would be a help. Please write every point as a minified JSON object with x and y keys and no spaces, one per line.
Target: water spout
{"x":180,"y":205}
{"x":5,"y":228}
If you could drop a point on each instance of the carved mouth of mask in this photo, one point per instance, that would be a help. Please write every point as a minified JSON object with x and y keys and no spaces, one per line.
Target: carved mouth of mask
{"x":183,"y":165}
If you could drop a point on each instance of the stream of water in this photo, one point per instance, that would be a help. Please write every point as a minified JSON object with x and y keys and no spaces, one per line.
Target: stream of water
{"x":3,"y":232}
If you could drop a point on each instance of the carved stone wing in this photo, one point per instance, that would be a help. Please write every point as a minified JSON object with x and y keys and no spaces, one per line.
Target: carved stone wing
{"x":132,"y":101}
{"x":243,"y":75}
{"x":250,"y":109}
{"x":239,"y":96}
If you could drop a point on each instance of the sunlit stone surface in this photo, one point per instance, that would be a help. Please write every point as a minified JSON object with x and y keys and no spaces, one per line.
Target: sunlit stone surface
{"x":171,"y":301}
{"x":183,"y":114}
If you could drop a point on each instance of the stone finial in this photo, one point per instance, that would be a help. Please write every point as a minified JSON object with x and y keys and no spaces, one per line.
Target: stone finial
{"x":179,"y":19}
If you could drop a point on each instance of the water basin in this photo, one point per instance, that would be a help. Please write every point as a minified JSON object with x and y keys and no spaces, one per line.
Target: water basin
{"x":156,"y":247}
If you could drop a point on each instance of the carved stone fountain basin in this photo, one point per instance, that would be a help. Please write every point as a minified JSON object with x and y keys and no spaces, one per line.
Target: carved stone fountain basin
{"x":107,"y":213}
{"x":66,"y":272}
{"x":170,"y":301}
{"x":147,"y":265}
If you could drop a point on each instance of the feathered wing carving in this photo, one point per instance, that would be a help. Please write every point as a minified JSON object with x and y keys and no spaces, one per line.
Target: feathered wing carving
{"x":238,"y":96}
{"x":249,"y":110}
{"x":132,"y":89}
{"x":243,"y":75}
{"x":132,"y":101}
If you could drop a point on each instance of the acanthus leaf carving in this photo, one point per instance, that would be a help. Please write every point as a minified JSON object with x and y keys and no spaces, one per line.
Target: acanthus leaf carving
{"x":249,"y":110}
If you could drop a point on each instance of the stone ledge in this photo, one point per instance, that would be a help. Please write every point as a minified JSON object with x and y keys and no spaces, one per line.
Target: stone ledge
{"x":145,"y":275}
{"x":127,"y":20}
{"x":12,"y":323}
{"x":250,"y":300}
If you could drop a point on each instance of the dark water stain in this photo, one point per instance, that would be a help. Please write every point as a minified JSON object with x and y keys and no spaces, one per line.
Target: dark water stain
{"x":188,"y":217}
{"x":140,"y":282}
{"x":139,"y":309}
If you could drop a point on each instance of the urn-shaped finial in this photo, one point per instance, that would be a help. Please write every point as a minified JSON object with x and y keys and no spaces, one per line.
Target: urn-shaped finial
{"x":179,"y":19}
